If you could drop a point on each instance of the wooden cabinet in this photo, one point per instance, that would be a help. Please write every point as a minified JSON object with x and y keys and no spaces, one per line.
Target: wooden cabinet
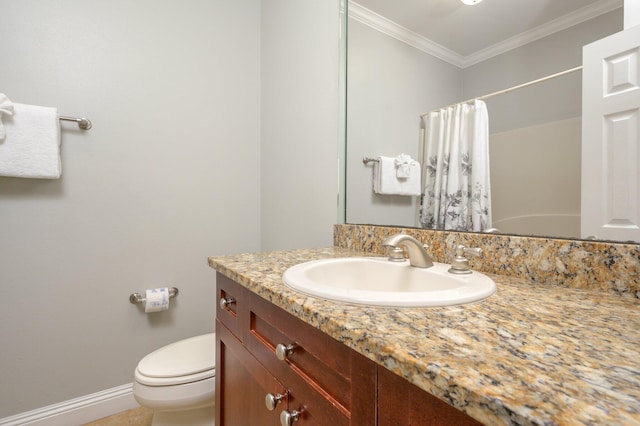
{"x":322,"y":380}
{"x":263,"y":350}
{"x":403,"y":403}
{"x":241,"y":383}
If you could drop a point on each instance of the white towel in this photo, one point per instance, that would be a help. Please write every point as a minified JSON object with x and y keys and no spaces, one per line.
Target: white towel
{"x":6,"y":108}
{"x":403,"y":164}
{"x":386,"y":181}
{"x":31,"y":148}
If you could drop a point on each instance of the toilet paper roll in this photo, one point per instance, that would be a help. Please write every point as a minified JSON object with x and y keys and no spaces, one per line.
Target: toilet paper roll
{"x":157,"y":299}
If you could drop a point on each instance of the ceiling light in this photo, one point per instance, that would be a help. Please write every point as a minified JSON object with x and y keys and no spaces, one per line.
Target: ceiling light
{"x":471,"y":2}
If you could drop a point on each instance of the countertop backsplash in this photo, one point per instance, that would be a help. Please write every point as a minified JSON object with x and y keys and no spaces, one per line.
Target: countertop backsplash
{"x":595,"y":265}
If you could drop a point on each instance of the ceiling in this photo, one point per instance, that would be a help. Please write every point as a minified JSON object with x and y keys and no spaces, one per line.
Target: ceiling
{"x":467,"y":30}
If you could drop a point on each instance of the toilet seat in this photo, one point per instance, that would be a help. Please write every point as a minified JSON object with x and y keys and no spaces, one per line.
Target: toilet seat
{"x":185,"y":361}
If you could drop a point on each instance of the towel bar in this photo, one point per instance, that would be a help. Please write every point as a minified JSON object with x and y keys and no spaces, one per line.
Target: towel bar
{"x":83,"y":123}
{"x":367,"y":160}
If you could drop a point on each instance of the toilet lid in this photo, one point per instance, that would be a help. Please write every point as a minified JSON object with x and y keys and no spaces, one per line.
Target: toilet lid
{"x":183,"y":358}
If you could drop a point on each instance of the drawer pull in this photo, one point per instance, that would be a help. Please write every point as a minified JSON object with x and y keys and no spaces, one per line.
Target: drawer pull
{"x":271,"y":400}
{"x":289,"y":418}
{"x":282,"y":351}
{"x":225,"y":303}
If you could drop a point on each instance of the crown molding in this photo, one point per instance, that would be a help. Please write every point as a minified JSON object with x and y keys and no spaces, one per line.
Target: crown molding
{"x":390,"y":28}
{"x":559,"y":24}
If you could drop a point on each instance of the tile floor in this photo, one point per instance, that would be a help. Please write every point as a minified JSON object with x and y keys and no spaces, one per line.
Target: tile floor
{"x":135,"y":417}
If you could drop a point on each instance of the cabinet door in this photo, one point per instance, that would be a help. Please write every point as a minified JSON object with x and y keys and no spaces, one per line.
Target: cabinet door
{"x":401,"y":403}
{"x":242,"y":384}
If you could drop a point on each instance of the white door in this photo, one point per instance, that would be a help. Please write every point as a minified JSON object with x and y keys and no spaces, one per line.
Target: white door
{"x":611,"y":137}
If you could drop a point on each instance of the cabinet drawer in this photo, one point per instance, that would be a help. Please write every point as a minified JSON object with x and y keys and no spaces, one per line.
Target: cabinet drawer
{"x":317,"y":359}
{"x":316,"y":408}
{"x":231,"y":292}
{"x":243,"y":383}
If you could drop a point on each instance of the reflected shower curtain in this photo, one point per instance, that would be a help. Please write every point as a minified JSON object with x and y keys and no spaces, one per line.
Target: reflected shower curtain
{"x":456,"y":192}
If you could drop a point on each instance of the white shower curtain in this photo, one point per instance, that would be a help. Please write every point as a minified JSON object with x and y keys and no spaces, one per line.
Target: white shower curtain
{"x":456,"y":191}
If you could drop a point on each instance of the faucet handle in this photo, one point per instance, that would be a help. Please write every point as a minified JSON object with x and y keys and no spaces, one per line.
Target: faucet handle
{"x":472,"y":251}
{"x":460,"y":264}
{"x":396,"y":254}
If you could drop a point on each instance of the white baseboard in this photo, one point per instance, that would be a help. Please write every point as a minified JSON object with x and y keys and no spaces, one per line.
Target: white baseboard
{"x":79,"y":410}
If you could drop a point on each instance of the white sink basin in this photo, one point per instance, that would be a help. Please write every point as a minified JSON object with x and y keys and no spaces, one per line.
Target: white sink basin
{"x":378,"y":281}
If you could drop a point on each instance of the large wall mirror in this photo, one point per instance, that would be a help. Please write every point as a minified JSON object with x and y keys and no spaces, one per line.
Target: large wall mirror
{"x":409,"y":57}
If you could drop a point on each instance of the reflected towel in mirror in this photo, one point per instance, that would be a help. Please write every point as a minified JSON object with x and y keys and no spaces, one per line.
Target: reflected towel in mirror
{"x":386,"y":181}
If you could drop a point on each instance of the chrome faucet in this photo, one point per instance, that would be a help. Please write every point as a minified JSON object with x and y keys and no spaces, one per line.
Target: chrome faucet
{"x":418,"y":255}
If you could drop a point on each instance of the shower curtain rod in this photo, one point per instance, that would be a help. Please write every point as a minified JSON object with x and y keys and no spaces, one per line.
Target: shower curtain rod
{"x":519,"y":86}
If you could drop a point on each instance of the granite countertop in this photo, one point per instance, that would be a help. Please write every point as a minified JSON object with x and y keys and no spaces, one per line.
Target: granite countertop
{"x":531,"y":354}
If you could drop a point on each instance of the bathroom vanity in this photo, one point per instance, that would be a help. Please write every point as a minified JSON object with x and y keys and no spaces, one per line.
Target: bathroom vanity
{"x":273,"y":368}
{"x":530,"y":354}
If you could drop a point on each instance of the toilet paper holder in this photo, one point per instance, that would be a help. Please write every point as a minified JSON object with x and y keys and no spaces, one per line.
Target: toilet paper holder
{"x":139,"y":298}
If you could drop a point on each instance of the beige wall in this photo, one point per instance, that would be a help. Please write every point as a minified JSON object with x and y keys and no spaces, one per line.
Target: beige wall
{"x":556,"y":99}
{"x":535,"y":175}
{"x":299,"y":135}
{"x":168,"y":175}
{"x":212,"y":121}
{"x":389,"y":84}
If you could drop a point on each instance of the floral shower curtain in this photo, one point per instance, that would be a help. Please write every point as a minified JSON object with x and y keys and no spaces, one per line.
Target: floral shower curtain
{"x":456,"y":191}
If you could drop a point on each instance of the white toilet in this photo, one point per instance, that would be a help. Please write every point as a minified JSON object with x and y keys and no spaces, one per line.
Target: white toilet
{"x":177,"y":382}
